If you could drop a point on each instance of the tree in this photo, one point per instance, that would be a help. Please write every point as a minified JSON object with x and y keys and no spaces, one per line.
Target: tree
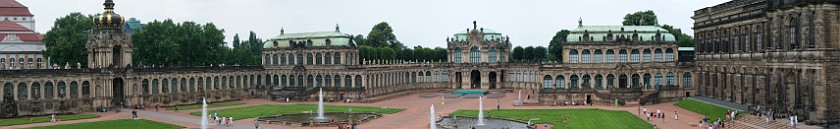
{"x":359,"y":40}
{"x":528,"y":53}
{"x":539,"y":53}
{"x":236,"y":41}
{"x":555,"y":47}
{"x":518,"y":53}
{"x":66,"y":40}
{"x":381,"y":36}
{"x":684,"y":40}
{"x":641,"y":18}
{"x":255,"y":44}
{"x":184,"y":44}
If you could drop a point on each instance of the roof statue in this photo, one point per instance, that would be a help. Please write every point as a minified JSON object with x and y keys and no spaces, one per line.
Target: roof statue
{"x":281,"y":31}
{"x":474,"y":25}
{"x":336,"y":28}
{"x":580,"y":22}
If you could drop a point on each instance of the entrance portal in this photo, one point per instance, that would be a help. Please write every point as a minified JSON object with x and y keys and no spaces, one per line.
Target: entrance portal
{"x":492,"y":80}
{"x":117,"y":90}
{"x":458,"y":80}
{"x":475,"y":79}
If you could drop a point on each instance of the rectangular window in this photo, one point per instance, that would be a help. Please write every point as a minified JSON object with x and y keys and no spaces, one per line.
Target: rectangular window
{"x":622,"y":57}
{"x":573,"y":58}
{"x":597,"y":58}
{"x":610,"y":58}
{"x":634,"y":57}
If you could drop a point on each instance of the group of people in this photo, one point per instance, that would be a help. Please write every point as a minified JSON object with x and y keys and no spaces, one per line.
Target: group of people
{"x":221,"y":121}
{"x":658,"y":114}
{"x":347,"y":126}
{"x":53,"y":118}
{"x":717,"y":124}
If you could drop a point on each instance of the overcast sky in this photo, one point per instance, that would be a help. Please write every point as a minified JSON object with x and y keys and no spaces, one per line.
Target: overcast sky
{"x":415,"y":22}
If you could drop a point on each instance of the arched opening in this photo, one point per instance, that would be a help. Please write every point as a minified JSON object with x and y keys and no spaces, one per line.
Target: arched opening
{"x":458,"y":79}
{"x":492,"y":80}
{"x":791,"y":94}
{"x":622,"y":81}
{"x":117,"y":91}
{"x":475,"y":79}
{"x":117,"y":55}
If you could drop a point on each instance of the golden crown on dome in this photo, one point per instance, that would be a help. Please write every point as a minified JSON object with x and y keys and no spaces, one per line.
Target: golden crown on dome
{"x":108,"y":19}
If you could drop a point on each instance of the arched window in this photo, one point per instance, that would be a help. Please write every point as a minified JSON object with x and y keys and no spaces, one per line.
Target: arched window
{"x":574,"y":81}
{"x":231,"y":81}
{"x":658,"y":79}
{"x":36,"y":90}
{"x":155,"y":87}
{"x":299,"y":59}
{"x":560,"y":82}
{"x":183,"y":84}
{"x":62,"y":88}
{"x":445,"y":76}
{"x":164,"y":85}
{"x":646,"y":56}
{"x":436,"y":76}
{"x":547,"y":82}
{"x":793,"y":34}
{"x":635,"y":80}
{"x":8,"y":89}
{"x":358,"y":81}
{"x":492,"y":54}
{"x":669,"y":54}
{"x":622,"y":56}
{"x":282,"y":81}
{"x":328,"y":59}
{"x":337,"y":58}
{"x":610,"y":56}
{"x":337,"y":81}
{"x":669,"y":78}
{"x":174,"y":85}
{"x":274,"y":60}
{"x":598,"y":56}
{"x":318,"y":58}
{"x":811,"y":29}
{"x":502,"y":55}
{"x":318,"y":81}
{"x":215,"y":83}
{"x":646,"y":80}
{"x":475,"y":55}
{"x":208,"y":83}
{"x":599,"y":82}
{"x":610,"y":81}
{"x":687,"y":79}
{"x":585,"y":56}
{"x":657,"y":55}
{"x":48,"y":90}
{"x":192,"y":84}
{"x":573,"y":56}
{"x":309,"y":81}
{"x":634,"y":55}
{"x":282,"y":59}
{"x":2,"y":63}
{"x":327,"y":81}
{"x":22,"y":91}
{"x":145,"y":85}
{"x":587,"y":82}
{"x":458,"y":55}
{"x":309,"y":59}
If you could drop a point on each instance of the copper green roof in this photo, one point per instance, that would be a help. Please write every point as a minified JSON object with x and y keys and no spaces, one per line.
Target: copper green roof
{"x":489,"y":34}
{"x":318,"y":39}
{"x":646,"y":33}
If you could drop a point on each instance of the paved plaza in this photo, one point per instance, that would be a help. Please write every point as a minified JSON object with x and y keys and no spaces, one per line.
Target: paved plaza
{"x":415,"y":115}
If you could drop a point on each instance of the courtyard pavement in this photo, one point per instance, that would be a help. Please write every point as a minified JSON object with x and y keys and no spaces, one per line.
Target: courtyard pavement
{"x":415,"y":115}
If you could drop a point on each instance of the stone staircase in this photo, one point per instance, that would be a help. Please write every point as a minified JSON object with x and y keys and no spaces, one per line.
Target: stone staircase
{"x":755,"y":122}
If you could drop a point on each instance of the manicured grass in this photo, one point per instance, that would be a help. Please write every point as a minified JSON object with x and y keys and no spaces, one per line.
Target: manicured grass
{"x":42,"y":119}
{"x":208,"y":105}
{"x":568,"y":118}
{"x":709,"y":110}
{"x":268,"y":109}
{"x":114,"y":124}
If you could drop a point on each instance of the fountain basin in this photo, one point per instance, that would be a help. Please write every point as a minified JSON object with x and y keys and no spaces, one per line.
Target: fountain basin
{"x":305,"y":119}
{"x":465,"y":122}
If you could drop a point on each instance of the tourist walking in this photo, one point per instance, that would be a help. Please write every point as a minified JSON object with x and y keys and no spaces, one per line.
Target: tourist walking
{"x":156,"y":107}
{"x":676,"y":116}
{"x":644,"y":110}
{"x":257,"y":123}
{"x":52,"y":118}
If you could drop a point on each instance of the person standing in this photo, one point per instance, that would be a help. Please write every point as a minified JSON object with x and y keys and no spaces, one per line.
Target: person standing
{"x":52,"y":118}
{"x":257,"y":123}
{"x":644,"y":110}
{"x":639,"y":111}
{"x":676,"y":116}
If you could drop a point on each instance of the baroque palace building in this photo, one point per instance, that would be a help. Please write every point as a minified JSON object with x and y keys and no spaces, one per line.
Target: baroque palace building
{"x":778,"y":54}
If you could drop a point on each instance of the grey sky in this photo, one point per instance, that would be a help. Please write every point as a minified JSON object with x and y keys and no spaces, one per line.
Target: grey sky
{"x":419,"y":22}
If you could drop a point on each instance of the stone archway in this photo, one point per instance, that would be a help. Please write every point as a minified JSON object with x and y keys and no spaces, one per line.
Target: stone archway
{"x":790,"y":91}
{"x":492,"y":80}
{"x":117,"y":91}
{"x":475,"y":79}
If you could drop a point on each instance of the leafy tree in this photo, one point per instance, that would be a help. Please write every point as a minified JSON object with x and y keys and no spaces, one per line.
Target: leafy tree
{"x":555,"y":47}
{"x":518,"y":53}
{"x":66,"y":40}
{"x":684,"y":40}
{"x":359,"y":40}
{"x":528,"y":54}
{"x":184,"y":44}
{"x":381,"y":36}
{"x":641,"y":18}
{"x":236,"y":41}
{"x":539,"y":53}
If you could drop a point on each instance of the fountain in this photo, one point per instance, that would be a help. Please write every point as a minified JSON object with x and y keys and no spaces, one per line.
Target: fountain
{"x":204,"y":113}
{"x":320,"y":104}
{"x":432,"y":117}
{"x":480,"y":112}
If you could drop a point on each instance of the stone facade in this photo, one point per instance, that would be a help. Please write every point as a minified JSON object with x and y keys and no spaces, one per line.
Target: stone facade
{"x":778,"y":54}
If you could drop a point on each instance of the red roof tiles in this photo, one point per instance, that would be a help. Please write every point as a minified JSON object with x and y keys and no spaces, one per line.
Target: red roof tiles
{"x":7,"y":25}
{"x":24,"y":37}
{"x":13,"y":8}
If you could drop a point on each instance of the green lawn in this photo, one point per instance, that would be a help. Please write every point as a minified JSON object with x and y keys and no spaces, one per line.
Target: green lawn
{"x":208,"y":105}
{"x":20,"y":121}
{"x":114,"y":124}
{"x":710,"y":110}
{"x":569,"y":118}
{"x":268,"y":109}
